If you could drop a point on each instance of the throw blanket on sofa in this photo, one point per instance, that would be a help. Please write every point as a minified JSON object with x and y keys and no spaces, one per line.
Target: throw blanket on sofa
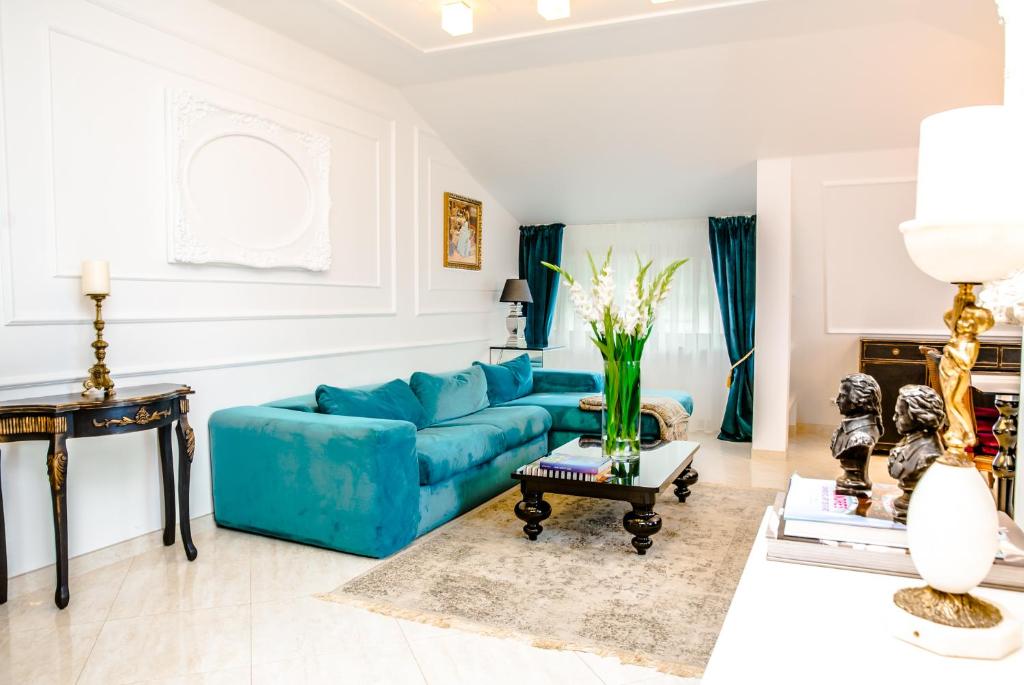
{"x":673,"y":419}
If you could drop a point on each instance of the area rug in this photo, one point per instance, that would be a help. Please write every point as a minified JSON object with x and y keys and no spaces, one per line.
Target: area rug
{"x":580,"y":586}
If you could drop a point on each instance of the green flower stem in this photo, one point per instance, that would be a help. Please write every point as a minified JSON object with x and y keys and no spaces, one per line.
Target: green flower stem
{"x":621,"y":415}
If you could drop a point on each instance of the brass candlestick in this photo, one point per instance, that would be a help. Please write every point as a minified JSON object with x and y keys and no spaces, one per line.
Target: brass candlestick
{"x":99,"y":374}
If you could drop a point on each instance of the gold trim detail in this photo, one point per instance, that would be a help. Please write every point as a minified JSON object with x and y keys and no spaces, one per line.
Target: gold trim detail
{"x":57,"y":466}
{"x":479,"y":232}
{"x":190,"y":442}
{"x":947,"y":608}
{"x":18,"y":425}
{"x":183,"y":404}
{"x":141,"y":418}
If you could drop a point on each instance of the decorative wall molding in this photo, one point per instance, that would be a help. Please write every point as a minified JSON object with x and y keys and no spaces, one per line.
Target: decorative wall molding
{"x":428,"y":239}
{"x":75,"y":377}
{"x":366,"y":123}
{"x":837,"y":317}
{"x":193,"y":126}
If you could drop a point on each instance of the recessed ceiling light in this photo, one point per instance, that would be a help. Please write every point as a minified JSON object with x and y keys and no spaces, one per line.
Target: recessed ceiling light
{"x":457,"y":18}
{"x":553,"y":9}
{"x":658,"y":2}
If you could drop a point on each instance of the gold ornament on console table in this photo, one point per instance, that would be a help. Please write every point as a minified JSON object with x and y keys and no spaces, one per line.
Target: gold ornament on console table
{"x":968,"y":229}
{"x":96,"y":285}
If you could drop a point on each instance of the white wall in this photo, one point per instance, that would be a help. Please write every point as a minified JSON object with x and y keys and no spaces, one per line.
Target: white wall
{"x":851,"y":274}
{"x":84,"y":176}
{"x":773,"y":306}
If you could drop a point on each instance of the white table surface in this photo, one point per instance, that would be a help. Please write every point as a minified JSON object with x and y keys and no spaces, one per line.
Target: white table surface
{"x":790,"y":623}
{"x":996,"y":383}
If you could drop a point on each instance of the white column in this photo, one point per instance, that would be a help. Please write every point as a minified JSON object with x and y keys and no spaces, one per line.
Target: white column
{"x":1012,"y":14}
{"x":773,"y":304}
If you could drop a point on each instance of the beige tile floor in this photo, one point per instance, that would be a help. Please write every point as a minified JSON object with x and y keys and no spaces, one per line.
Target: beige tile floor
{"x":245,"y":612}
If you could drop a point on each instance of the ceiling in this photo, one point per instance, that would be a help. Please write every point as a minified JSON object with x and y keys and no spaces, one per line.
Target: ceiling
{"x":417,"y":23}
{"x":609,"y":117}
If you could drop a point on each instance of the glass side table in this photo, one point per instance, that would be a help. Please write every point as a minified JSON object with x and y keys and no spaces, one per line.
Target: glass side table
{"x":504,"y":353}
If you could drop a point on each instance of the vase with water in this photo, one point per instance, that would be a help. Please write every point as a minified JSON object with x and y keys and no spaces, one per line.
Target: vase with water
{"x":620,"y":418}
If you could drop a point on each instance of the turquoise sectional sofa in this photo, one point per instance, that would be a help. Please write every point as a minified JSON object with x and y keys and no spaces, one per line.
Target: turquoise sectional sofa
{"x":368,"y":484}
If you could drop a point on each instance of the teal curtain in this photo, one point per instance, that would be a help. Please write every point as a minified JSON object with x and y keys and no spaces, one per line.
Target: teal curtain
{"x":537,"y":244}
{"x":733,"y":256}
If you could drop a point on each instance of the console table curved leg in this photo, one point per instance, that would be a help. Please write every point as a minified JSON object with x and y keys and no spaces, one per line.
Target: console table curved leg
{"x":57,"y":469}
{"x":642,"y":522}
{"x":3,"y":547}
{"x":532,"y":509}
{"x":186,"y":450}
{"x":167,"y":481}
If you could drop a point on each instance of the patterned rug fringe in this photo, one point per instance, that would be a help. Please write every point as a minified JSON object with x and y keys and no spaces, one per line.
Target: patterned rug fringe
{"x":632,"y":658}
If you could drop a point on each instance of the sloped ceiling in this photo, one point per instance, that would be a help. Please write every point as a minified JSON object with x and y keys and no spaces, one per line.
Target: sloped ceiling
{"x":665,"y":116}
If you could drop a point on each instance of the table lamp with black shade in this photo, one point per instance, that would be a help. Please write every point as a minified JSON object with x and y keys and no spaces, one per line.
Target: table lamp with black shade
{"x":516,"y":292}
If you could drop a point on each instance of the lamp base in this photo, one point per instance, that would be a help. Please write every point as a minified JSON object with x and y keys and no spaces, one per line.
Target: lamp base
{"x":516,"y":327}
{"x":995,"y":641}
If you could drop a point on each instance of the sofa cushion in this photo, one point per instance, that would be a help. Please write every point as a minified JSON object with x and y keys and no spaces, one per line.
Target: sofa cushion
{"x":450,"y":395}
{"x":518,"y":425}
{"x":392,"y":400}
{"x":508,"y":380}
{"x":443,"y":451}
{"x":567,"y":416}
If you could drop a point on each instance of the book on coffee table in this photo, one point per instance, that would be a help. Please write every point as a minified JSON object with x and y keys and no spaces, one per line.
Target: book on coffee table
{"x":590,"y":464}
{"x":813,"y":509}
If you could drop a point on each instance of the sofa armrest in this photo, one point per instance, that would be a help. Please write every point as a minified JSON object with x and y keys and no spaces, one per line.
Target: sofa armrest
{"x":557,"y":380}
{"x":341,"y":482}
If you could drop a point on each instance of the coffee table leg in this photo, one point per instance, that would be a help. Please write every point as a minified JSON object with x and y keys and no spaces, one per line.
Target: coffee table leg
{"x":532,"y":509}
{"x":686,"y":478}
{"x":642,"y":522}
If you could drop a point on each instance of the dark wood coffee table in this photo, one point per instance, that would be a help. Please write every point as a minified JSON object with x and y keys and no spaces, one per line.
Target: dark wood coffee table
{"x":659,"y":465}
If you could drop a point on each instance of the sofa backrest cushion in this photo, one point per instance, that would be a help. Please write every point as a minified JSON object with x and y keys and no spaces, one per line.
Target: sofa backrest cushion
{"x":306,"y":403}
{"x":392,"y":400}
{"x":509,"y":380}
{"x":450,"y":395}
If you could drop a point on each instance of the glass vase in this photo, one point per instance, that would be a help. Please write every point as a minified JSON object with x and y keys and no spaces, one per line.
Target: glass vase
{"x":620,"y":419}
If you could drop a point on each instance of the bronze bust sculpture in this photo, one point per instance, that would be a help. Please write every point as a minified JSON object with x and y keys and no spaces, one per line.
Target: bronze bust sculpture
{"x":860,"y":402}
{"x":919,"y":414}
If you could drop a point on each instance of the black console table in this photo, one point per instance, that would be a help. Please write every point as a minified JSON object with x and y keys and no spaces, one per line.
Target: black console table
{"x":895,"y":362}
{"x":60,"y":417}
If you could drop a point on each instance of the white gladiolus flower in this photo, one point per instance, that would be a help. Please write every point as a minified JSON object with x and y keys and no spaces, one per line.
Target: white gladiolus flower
{"x":629,"y":319}
{"x":604,"y":289}
{"x":619,"y":331}
{"x":582,"y":303}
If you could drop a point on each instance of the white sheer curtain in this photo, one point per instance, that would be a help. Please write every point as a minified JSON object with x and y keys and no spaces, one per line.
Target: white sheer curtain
{"x":687,"y":349}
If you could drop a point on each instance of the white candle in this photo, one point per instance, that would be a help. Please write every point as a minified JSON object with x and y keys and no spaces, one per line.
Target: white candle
{"x":95,"y":277}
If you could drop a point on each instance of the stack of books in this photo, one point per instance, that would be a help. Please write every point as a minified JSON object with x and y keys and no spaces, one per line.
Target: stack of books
{"x":573,"y":462}
{"x":814,"y":525}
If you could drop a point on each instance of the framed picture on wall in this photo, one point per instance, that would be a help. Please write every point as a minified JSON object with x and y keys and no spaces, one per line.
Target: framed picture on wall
{"x":463,"y":232}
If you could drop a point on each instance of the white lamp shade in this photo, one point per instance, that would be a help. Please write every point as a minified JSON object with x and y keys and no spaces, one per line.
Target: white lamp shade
{"x":969,"y":224}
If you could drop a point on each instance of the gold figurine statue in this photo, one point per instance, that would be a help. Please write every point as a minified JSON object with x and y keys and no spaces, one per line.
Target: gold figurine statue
{"x":966,"y":321}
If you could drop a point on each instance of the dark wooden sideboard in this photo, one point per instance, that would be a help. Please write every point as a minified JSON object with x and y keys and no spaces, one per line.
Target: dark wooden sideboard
{"x":895,"y":362}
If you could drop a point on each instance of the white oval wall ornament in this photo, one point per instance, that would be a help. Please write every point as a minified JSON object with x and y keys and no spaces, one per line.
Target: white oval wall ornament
{"x":245,"y":190}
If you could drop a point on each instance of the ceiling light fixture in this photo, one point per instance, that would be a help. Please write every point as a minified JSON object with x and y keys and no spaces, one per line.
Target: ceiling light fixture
{"x":457,"y":18}
{"x":553,"y":9}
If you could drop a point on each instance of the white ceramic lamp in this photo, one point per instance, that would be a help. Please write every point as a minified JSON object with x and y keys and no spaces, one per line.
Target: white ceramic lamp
{"x":970,"y":203}
{"x":969,"y":228}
